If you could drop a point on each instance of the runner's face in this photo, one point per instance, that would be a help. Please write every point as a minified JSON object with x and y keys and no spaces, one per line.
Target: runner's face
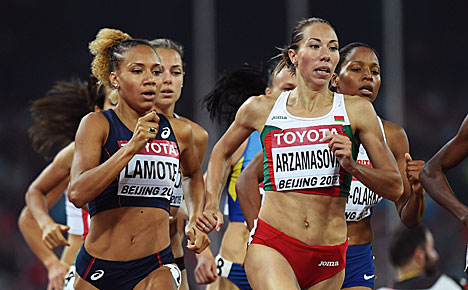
{"x":139,"y":78}
{"x":172,"y":77}
{"x":317,"y":55}
{"x":359,"y":74}
{"x":282,"y":82}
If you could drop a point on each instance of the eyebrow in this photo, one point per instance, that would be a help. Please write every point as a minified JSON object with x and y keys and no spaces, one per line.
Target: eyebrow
{"x":361,"y":62}
{"x":135,"y":63}
{"x":142,"y":64}
{"x":318,"y":39}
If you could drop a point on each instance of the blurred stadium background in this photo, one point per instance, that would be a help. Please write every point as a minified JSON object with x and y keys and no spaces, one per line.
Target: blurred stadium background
{"x":423,"y":49}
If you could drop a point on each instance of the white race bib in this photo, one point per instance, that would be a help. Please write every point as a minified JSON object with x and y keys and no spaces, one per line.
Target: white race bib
{"x":300,"y":160}
{"x":223,"y":265}
{"x":152,"y":172}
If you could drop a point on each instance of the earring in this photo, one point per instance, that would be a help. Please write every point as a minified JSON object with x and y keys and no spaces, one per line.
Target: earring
{"x":116,"y":86}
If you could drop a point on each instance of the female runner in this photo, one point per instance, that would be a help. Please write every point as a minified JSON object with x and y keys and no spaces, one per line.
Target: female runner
{"x":357,"y":73}
{"x":310,"y":138}
{"x":172,"y":73}
{"x":125,"y":166}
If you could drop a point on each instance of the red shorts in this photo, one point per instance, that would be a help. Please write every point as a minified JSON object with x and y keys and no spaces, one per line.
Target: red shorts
{"x":311,"y":264}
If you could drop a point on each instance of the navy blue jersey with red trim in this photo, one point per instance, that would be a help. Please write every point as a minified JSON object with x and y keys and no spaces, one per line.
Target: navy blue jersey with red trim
{"x":149,"y":177}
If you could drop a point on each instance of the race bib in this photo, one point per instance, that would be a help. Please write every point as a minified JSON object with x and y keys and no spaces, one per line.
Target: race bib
{"x":178,"y":193}
{"x":300,"y":160}
{"x":361,"y":199}
{"x":223,"y":266}
{"x":70,"y":279}
{"x":152,"y":172}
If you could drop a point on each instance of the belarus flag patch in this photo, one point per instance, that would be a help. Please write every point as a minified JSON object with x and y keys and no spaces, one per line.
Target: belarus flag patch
{"x":339,"y":118}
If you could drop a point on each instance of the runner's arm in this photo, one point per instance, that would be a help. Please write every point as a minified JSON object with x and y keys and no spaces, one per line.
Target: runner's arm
{"x":433,"y":174}
{"x":247,"y":189}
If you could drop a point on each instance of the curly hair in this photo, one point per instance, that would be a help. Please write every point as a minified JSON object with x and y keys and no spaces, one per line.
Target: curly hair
{"x":232,"y":90}
{"x":56,"y":116}
{"x":109,"y":49}
{"x":296,"y":37}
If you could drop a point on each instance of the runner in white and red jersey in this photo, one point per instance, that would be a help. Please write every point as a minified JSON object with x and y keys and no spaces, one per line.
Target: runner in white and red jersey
{"x":310,"y":136}
{"x":358,"y":73}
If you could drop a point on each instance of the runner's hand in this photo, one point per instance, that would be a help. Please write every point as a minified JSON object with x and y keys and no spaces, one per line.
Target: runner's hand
{"x":145,"y":131}
{"x":56,"y":275}
{"x":211,"y":219}
{"x":52,"y":235}
{"x":206,"y":271}
{"x":413,"y":168}
{"x":341,"y":146}
{"x":197,"y":240}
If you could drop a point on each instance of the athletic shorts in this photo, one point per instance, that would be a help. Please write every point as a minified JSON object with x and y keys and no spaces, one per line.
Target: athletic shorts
{"x":311,"y":264}
{"x":232,"y":271}
{"x":180,"y":262}
{"x":122,"y":275}
{"x":359,"y":267}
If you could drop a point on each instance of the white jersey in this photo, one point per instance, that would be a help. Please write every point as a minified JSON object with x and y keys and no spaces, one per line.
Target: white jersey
{"x":77,"y":219}
{"x":361,"y":199}
{"x":296,"y":158}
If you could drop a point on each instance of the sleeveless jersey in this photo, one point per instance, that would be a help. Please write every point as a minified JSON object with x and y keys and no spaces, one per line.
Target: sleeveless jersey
{"x":149,"y":177}
{"x":77,"y":219}
{"x":294,"y":157}
{"x":178,"y":192}
{"x":361,"y":199}
{"x":254,"y":145}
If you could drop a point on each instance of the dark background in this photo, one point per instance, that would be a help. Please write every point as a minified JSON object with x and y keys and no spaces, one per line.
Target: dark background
{"x":46,"y":41}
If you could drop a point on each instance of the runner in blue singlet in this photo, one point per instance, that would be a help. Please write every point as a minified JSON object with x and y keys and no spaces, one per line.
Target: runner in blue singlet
{"x":125,"y":166}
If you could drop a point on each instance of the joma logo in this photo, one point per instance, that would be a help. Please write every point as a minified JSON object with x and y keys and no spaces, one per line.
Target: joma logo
{"x":329,"y":263}
{"x":279,"y":117}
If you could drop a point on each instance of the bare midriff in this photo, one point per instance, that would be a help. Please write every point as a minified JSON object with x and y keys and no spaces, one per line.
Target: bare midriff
{"x":128,"y":233}
{"x":360,"y":232}
{"x":315,"y":220}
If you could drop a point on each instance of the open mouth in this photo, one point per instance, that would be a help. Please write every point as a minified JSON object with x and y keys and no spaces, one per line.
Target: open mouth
{"x":166,"y":93}
{"x":323,"y":70}
{"x":149,"y":94}
{"x":366,"y":90}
